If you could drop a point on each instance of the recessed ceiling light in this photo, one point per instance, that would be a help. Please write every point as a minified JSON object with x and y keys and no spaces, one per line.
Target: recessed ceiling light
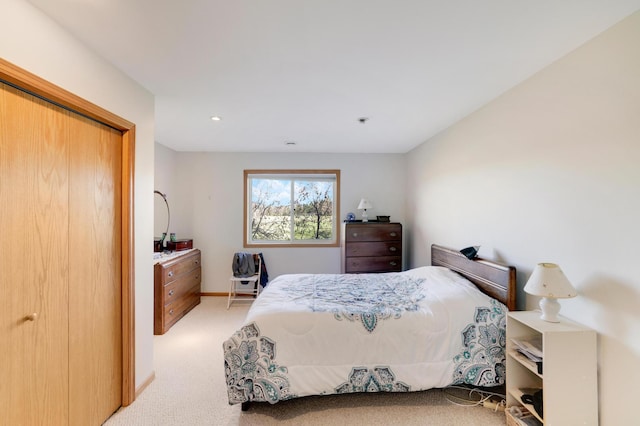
{"x":290,"y":143}
{"x":215,"y":118}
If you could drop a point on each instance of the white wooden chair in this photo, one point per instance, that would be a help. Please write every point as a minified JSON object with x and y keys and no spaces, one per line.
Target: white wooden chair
{"x":245,"y":288}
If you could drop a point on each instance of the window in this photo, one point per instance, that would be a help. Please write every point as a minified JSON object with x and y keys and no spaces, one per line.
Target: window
{"x":291,"y":208}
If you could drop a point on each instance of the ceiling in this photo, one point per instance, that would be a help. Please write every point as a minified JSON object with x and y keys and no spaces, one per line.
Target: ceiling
{"x":360,"y":76}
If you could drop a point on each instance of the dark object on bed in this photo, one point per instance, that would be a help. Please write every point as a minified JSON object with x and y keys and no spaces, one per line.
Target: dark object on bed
{"x":492,"y":278}
{"x":470,"y":252}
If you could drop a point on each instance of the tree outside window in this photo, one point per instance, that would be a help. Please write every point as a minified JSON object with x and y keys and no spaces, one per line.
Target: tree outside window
{"x":291,"y":207}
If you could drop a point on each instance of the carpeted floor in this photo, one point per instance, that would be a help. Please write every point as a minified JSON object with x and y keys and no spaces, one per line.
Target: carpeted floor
{"x":189,"y":388}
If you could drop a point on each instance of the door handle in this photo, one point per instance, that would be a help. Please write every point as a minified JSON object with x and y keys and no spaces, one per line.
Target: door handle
{"x":31,"y":317}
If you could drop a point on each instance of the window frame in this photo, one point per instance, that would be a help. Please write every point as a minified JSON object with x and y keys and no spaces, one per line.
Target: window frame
{"x":290,"y":173}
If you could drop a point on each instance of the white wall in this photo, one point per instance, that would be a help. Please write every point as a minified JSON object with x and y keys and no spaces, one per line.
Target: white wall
{"x":32,"y":41}
{"x":209,"y":205}
{"x":165,"y":170}
{"x":550,"y":171}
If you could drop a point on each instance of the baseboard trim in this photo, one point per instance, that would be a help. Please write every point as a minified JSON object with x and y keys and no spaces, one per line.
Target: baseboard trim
{"x":146,"y":383}
{"x":214,"y":294}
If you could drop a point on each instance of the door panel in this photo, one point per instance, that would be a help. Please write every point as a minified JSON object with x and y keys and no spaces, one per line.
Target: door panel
{"x":94,"y":287}
{"x":34,"y":266}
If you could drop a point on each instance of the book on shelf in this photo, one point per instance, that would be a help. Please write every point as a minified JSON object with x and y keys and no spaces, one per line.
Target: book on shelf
{"x":531,"y":348}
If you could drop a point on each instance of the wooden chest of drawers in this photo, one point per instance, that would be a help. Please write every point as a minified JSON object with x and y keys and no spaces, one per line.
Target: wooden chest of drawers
{"x":371,"y":247}
{"x":176,"y":289}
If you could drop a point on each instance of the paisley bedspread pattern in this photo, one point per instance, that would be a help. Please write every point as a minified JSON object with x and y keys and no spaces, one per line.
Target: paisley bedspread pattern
{"x":378,"y":379}
{"x":327,"y":334}
{"x":250,"y":368}
{"x":354,"y":298}
{"x":252,"y":374}
{"x":482,"y":361}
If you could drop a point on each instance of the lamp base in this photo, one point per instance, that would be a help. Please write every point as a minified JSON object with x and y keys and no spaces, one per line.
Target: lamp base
{"x":550,"y":309}
{"x":364,"y":216}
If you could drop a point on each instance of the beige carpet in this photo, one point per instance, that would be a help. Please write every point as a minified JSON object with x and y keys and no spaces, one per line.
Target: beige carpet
{"x":189,"y":388}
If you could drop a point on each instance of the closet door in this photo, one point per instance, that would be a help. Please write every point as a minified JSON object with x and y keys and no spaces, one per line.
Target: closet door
{"x":34,"y":220}
{"x":95,"y":293}
{"x":60,"y":207}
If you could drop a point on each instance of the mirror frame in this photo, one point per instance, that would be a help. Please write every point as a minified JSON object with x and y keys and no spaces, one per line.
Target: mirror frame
{"x":164,"y":235}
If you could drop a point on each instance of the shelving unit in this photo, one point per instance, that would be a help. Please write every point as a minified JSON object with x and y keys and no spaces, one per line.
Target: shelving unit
{"x":569,"y":369}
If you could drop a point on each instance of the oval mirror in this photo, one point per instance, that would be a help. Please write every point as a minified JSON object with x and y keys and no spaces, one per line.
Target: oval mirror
{"x":162,"y":217}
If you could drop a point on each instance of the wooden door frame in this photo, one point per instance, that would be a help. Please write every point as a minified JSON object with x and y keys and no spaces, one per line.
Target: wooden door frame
{"x":39,"y":87}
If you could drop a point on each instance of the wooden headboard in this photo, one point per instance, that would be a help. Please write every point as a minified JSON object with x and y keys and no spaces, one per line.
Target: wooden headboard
{"x":492,"y":278}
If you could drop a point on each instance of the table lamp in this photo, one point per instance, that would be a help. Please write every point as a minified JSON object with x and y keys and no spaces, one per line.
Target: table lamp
{"x":549,"y":282}
{"x":364,"y":205}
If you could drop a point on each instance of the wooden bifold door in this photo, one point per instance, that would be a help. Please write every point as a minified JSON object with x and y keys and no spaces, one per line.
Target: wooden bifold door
{"x":60,"y":264}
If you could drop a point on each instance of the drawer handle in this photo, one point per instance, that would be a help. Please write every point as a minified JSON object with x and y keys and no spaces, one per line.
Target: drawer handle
{"x":196,"y":262}
{"x":355,"y":234}
{"x":392,"y":263}
{"x":197,"y":277}
{"x":393,"y":234}
{"x":392,"y":249}
{"x":171,"y":292}
{"x":171,"y":312}
{"x":170,"y":273}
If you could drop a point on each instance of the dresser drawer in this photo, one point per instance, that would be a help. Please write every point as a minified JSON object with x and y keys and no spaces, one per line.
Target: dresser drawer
{"x":179,"y":307}
{"x":372,"y":248}
{"x":373,"y":232}
{"x":172,"y":270}
{"x":373,"y":264}
{"x":178,"y":287}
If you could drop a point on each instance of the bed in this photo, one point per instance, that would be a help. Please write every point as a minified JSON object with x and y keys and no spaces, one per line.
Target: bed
{"x":320,"y":334}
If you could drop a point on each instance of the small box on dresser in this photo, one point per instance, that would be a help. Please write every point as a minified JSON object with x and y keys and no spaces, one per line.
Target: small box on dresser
{"x":176,"y":289}
{"x":371,"y":247}
{"x":180,"y":245}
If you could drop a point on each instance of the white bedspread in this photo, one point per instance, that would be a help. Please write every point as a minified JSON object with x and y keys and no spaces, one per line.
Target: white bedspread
{"x":315,"y":334}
